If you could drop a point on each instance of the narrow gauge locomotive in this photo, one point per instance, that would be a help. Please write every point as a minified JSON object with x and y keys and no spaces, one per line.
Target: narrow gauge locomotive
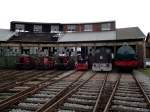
{"x":82,"y":63}
{"x":102,"y":60}
{"x":64,"y":63}
{"x":126,"y":58}
{"x":45,"y":63}
{"x":25,"y":62}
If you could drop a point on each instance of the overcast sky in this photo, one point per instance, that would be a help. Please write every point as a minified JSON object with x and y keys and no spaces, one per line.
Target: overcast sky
{"x":126,"y":13}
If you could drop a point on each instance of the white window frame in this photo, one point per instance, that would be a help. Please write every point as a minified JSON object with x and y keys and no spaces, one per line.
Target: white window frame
{"x":71,"y":28}
{"x":88,"y":27}
{"x":20,"y":27}
{"x":37,"y":28}
{"x":106,"y":26}
{"x":54,"y":28}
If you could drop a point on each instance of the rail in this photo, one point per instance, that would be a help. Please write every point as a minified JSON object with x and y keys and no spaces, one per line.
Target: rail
{"x":59,"y":102}
{"x":128,"y":95}
{"x":142,"y":89}
{"x":23,"y":94}
{"x":59,"y":95}
{"x":113,"y":92}
{"x":100,"y":94}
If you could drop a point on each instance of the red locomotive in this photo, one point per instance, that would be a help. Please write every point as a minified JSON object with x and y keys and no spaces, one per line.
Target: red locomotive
{"x":127,"y":64}
{"x":25,"y":62}
{"x":45,"y":63}
{"x":82,"y":63}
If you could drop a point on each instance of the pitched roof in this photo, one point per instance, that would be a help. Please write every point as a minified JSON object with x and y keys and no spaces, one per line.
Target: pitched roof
{"x":119,"y":34}
{"x":33,"y":37}
{"x":88,"y":36}
{"x":129,"y":33}
{"x":5,"y":34}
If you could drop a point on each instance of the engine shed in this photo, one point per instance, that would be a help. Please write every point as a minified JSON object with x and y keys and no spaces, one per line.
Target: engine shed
{"x":50,"y":39}
{"x":147,"y":41}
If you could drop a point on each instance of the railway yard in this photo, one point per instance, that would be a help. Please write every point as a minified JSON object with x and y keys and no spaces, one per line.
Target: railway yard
{"x":73,"y":91}
{"x":74,"y":67}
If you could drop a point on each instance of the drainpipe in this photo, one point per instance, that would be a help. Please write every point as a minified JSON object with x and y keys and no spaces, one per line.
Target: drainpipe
{"x":144,"y":52}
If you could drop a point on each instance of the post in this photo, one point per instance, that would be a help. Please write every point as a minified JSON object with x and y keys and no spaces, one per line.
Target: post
{"x":75,"y":53}
{"x":144,"y":53}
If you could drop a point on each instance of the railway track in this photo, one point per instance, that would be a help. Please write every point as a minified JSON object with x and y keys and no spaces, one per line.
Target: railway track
{"x":22,"y":85}
{"x":80,"y":92}
{"x":145,"y":82}
{"x":17,"y":79}
{"x":82,"y":98}
{"x":9,"y":74}
{"x":106,"y":91}
{"x":128,"y":96}
{"x":14,"y":76}
{"x":31,"y":86}
{"x":49,"y":94}
{"x":22,"y":75}
{"x":4,"y":72}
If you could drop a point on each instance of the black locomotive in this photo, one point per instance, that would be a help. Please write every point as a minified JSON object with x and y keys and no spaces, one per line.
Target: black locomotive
{"x":102,"y":60}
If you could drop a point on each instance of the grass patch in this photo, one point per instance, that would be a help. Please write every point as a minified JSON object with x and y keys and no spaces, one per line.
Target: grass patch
{"x":145,"y":71}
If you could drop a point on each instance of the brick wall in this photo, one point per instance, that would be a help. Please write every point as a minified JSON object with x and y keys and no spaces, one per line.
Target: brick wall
{"x":96,"y":26}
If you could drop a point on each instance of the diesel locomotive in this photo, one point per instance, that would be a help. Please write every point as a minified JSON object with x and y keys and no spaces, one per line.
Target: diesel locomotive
{"x":25,"y":62}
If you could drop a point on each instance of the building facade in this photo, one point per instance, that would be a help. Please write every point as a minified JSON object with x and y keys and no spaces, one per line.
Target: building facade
{"x":50,"y":39}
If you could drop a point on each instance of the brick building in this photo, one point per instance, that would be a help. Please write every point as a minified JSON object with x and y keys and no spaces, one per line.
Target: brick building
{"x":53,"y":38}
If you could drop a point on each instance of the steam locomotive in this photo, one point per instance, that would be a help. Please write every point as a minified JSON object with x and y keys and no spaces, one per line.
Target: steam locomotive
{"x":126,"y":58}
{"x":102,"y":60}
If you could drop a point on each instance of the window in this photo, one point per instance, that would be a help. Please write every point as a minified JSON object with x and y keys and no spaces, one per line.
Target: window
{"x":71,"y":28}
{"x":106,"y":26}
{"x":37,"y":28}
{"x":54,"y":28}
{"x":88,"y":27}
{"x":20,"y":27}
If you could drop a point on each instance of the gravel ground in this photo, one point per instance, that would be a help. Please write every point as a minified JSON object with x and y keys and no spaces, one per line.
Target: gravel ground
{"x":76,"y":75}
{"x":64,"y":74}
{"x":87,"y":75}
{"x":126,"y":77}
{"x":112,"y":76}
{"x":98,"y":77}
